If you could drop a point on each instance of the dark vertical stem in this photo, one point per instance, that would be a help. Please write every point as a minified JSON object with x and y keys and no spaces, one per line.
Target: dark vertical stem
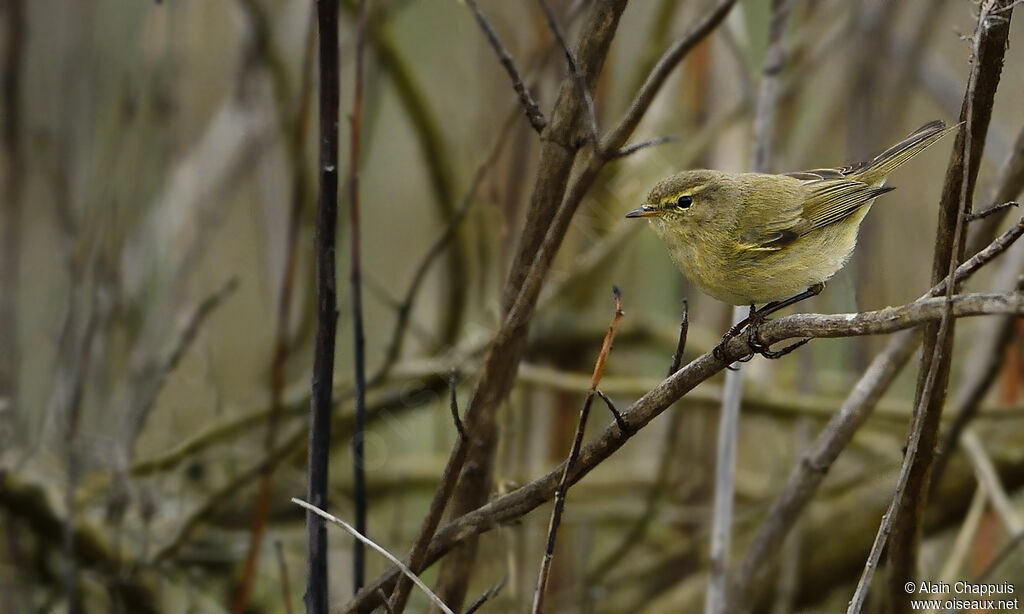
{"x":10,"y":211}
{"x":326,"y":308}
{"x":355,"y":277}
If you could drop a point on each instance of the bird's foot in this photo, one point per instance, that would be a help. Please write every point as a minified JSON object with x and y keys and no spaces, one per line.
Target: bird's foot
{"x":758,"y":346}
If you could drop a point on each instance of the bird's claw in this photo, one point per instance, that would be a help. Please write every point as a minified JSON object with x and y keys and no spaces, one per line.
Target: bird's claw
{"x":756,"y":344}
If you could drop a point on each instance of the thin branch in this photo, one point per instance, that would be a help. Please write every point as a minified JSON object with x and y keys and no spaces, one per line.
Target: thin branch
{"x":635,"y":147}
{"x":358,"y":331}
{"x":988,"y":50}
{"x":316,"y":597}
{"x":282,"y":568}
{"x":442,"y":495}
{"x":991,"y":210}
{"x":530,"y":107}
{"x":365,"y":540}
{"x":453,"y":404}
{"x":589,"y":112}
{"x":563,"y":484}
{"x":661,"y":71}
{"x":489,"y":594}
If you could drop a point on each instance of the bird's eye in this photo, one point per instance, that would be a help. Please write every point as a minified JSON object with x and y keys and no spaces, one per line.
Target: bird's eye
{"x":684,"y":201}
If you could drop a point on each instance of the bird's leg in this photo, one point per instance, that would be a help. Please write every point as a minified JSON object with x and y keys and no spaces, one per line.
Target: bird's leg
{"x":754,"y":339}
{"x":758,"y":317}
{"x":737,"y":328}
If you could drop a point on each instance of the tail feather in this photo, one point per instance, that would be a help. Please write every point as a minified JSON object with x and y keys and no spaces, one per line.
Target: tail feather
{"x":875,"y":171}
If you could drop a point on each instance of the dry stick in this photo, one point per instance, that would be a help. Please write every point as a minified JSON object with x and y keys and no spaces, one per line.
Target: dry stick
{"x":359,"y":339}
{"x":489,"y":594}
{"x":533,"y":112}
{"x":282,"y":568}
{"x":1009,"y":187}
{"x":574,"y":452}
{"x":326,"y":311}
{"x":638,"y":531}
{"x":988,"y":49}
{"x":444,"y":491}
{"x":365,"y":540}
{"x":732,"y":396}
{"x":810,"y":471}
{"x":590,"y":113}
{"x":295,"y":125}
{"x":514,"y":505}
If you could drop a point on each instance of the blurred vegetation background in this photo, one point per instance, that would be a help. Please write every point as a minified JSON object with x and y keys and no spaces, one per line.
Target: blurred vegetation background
{"x":158,"y":149}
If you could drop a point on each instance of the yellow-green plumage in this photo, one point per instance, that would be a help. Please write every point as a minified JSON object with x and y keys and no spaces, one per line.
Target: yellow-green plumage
{"x":752,"y":238}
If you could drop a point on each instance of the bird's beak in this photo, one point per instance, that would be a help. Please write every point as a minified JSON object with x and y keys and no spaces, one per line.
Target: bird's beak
{"x":645,"y":211}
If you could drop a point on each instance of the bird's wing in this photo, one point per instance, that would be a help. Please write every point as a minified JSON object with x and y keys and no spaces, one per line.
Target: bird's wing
{"x":826,"y":201}
{"x":782,"y":228}
{"x":831,"y":200}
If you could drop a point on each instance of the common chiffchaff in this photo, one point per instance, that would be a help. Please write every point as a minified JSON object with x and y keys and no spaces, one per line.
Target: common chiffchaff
{"x":752,"y":238}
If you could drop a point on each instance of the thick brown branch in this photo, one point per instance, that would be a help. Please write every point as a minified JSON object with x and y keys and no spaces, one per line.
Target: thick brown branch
{"x":990,"y":42}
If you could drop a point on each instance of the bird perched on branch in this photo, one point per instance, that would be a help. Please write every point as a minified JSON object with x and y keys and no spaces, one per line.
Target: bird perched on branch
{"x":756,"y":238}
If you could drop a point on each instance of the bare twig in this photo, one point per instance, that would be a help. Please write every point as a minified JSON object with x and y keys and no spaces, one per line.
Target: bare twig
{"x":533,"y":112}
{"x":365,"y":540}
{"x":989,"y":47}
{"x":636,"y":533}
{"x":437,"y":505}
{"x":590,"y":113}
{"x":993,"y":209}
{"x":326,"y":313}
{"x":635,"y":147}
{"x":489,"y":594}
{"x":563,"y":484}
{"x":453,"y":404}
{"x":282,"y":568}
{"x":1008,"y":187}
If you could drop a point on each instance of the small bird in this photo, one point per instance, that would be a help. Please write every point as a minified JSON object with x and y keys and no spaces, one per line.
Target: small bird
{"x":756,"y":238}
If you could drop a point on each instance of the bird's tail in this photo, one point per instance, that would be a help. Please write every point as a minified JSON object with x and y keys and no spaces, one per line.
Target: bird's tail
{"x":874,"y":171}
